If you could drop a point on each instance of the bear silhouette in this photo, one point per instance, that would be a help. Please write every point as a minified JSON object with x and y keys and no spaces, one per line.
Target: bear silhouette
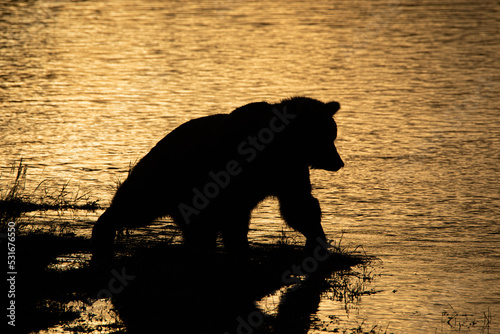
{"x":209,"y":173}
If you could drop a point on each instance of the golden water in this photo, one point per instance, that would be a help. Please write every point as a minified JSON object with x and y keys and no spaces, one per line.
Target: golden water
{"x":88,"y":87}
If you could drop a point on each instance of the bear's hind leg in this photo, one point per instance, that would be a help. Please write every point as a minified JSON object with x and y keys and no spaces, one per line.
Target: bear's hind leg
{"x":104,"y":231}
{"x":234,"y":231}
{"x":103,"y":238}
{"x":200,"y":234}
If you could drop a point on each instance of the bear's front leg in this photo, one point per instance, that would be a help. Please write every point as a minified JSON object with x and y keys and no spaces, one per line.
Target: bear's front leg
{"x":302,"y":212}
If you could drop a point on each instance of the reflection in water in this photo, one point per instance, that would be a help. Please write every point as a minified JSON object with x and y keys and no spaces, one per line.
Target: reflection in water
{"x":98,"y":317}
{"x":69,"y":262}
{"x":86,"y":88}
{"x":148,"y":297}
{"x":185,"y":294}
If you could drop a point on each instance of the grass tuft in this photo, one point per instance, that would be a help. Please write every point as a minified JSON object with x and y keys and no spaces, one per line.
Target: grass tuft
{"x":15,"y":200}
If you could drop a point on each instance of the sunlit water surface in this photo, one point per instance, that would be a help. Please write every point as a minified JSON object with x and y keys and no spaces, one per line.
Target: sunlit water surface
{"x":88,"y":87}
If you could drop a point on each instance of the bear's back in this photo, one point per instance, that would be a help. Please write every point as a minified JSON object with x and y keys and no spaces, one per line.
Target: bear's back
{"x":182,"y":146}
{"x":204,"y":143}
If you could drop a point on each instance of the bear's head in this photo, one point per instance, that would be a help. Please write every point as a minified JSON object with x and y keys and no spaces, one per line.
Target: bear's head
{"x":313,"y":132}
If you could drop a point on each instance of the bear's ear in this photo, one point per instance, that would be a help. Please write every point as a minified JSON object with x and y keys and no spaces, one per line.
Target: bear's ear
{"x":332,"y":107}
